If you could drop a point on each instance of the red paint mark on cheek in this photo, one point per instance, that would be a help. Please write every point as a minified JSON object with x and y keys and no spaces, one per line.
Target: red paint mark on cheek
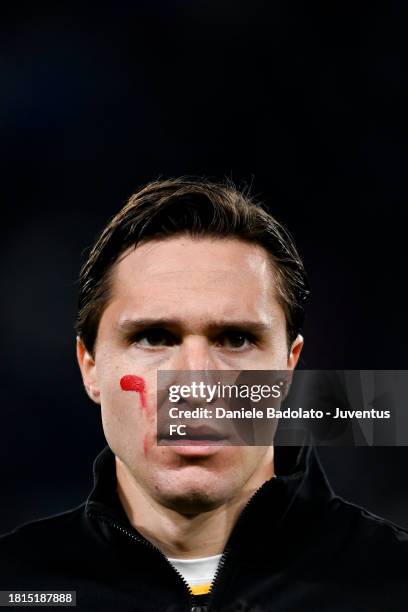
{"x":145,"y":446}
{"x":130,"y":382}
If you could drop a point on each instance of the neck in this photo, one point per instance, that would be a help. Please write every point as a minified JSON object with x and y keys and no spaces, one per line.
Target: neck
{"x":180,"y":536}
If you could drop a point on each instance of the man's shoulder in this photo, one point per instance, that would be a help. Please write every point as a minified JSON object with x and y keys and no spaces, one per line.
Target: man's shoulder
{"x":45,"y":551}
{"x":42,"y":532}
{"x":365,"y":534}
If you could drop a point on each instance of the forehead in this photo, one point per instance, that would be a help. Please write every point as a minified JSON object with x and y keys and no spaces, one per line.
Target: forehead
{"x":222,"y":275}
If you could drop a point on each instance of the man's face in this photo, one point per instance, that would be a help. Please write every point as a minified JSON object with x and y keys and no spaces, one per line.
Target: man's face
{"x":184,"y":304}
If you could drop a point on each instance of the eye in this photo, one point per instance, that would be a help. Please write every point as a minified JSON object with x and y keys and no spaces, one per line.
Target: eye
{"x":236,"y":340}
{"x":153,"y":338}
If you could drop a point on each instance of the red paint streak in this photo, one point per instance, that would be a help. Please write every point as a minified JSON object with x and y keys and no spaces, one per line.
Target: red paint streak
{"x":134,"y":383}
{"x":145,"y":446}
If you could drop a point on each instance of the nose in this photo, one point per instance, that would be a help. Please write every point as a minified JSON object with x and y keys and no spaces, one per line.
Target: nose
{"x":194,"y":362}
{"x":195,"y":353}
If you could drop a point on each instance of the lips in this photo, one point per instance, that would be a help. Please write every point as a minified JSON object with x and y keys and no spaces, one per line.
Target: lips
{"x":201,"y":434}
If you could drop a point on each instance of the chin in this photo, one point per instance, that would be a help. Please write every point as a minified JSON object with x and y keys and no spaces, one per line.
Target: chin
{"x":191,"y":502}
{"x":190,"y":497}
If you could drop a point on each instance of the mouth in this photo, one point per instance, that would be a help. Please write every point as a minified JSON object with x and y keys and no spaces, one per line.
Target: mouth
{"x":194,"y":436}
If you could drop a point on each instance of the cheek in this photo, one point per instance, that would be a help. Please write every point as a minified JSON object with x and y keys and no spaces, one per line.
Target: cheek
{"x":278,"y":359}
{"x":128,"y":406}
{"x":121,"y":382}
{"x":135,"y":384}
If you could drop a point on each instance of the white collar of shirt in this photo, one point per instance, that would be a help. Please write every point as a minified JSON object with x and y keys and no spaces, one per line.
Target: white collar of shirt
{"x":197,"y":571}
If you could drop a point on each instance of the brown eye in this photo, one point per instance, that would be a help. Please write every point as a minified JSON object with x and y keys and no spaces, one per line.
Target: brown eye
{"x":154,"y":338}
{"x":235,"y":340}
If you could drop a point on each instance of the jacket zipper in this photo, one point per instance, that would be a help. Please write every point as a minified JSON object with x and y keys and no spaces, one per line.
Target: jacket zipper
{"x":193,"y":606}
{"x":227,"y":549}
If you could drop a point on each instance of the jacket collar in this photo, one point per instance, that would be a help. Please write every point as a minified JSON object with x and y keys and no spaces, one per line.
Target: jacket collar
{"x":300,"y":489}
{"x":104,"y":498}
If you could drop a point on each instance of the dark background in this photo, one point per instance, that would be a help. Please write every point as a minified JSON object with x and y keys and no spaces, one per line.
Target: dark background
{"x":305,"y":101}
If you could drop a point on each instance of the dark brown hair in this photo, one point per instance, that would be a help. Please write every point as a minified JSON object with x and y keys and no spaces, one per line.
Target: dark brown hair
{"x":199,"y":208}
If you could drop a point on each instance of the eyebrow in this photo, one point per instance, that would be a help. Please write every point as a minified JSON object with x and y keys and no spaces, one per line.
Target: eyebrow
{"x":129,"y":326}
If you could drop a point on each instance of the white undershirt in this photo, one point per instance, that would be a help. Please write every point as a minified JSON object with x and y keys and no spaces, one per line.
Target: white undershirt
{"x":197,"y":571}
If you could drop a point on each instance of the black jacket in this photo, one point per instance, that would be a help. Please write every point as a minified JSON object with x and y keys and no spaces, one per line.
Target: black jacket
{"x":295,"y":547}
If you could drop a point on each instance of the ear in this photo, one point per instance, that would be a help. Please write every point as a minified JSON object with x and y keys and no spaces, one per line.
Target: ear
{"x":295,"y":351}
{"x":88,"y":370}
